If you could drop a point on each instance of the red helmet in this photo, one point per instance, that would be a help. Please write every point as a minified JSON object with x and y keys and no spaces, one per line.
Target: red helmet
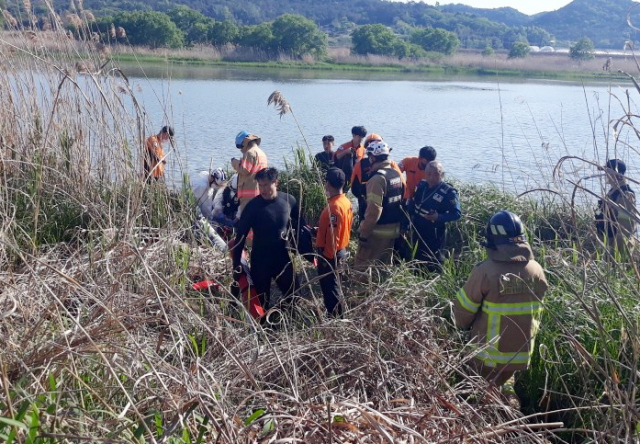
{"x":371,"y":138}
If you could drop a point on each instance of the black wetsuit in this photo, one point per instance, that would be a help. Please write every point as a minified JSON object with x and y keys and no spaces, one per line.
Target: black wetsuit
{"x":324,"y":160}
{"x":271,"y":221}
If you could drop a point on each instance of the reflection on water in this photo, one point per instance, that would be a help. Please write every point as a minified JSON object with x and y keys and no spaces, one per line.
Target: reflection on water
{"x":504,"y":133}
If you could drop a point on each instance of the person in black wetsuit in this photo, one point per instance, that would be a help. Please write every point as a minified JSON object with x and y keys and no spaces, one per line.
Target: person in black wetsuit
{"x":270,"y":215}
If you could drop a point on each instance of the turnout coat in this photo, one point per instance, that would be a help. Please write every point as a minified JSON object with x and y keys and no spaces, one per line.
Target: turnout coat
{"x":501,"y":302}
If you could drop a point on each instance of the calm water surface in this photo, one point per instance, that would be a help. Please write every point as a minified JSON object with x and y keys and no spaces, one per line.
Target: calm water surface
{"x":484,"y":130}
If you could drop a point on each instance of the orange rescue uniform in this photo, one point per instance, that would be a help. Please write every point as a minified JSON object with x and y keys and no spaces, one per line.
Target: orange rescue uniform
{"x":334,"y":230}
{"x":154,"y":159}
{"x":414,"y":175}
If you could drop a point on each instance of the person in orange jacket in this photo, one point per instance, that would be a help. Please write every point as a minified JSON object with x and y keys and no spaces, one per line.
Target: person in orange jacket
{"x":414,"y":167}
{"x":350,"y":152}
{"x":154,"y":160}
{"x":361,"y":174}
{"x":332,"y":239}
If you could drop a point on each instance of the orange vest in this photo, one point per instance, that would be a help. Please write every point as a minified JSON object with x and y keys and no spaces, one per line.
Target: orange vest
{"x":334,"y":227}
{"x":414,"y":175}
{"x":154,"y":158}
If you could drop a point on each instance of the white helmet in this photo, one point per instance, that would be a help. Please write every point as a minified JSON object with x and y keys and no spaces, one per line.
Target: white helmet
{"x":378,"y":148}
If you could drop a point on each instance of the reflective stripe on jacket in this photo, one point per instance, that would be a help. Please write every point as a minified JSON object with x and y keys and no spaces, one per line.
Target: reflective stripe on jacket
{"x":501,"y":303}
{"x":253,"y":160}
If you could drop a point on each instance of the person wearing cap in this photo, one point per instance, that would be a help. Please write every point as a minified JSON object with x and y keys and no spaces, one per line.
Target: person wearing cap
{"x":324,"y":159}
{"x":616,"y":215}
{"x":361,"y":173}
{"x":154,"y":159}
{"x":381,"y":224}
{"x":434,"y":204}
{"x":332,"y":239}
{"x":253,"y":160}
{"x":350,"y":152}
{"x":414,"y":167}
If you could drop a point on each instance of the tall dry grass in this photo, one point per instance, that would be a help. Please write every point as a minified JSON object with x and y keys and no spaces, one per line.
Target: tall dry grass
{"x":102,"y":339}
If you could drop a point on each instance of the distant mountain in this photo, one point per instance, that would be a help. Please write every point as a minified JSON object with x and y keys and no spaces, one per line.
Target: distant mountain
{"x":508,"y":16}
{"x":603,"y":21}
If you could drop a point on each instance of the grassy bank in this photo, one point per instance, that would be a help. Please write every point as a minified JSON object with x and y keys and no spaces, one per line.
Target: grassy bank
{"x":103,"y":340}
{"x":537,"y":66}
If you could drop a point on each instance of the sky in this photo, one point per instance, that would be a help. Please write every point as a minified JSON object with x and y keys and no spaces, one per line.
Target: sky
{"x":525,"y":6}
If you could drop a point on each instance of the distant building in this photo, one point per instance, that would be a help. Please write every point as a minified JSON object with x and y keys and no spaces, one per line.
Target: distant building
{"x":547,"y":49}
{"x":534,"y":48}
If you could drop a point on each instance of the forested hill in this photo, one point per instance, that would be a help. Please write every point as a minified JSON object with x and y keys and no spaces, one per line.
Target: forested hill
{"x":603,"y":21}
{"x":508,"y":16}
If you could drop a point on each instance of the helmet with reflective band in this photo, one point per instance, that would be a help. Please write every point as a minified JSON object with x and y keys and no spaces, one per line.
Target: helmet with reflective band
{"x":505,"y":227}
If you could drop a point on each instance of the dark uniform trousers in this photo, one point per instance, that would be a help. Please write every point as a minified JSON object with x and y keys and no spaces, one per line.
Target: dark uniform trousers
{"x":329,"y":273}
{"x":280,"y":269}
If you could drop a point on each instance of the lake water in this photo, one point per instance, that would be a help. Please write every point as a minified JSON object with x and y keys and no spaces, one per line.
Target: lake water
{"x":484,"y":129}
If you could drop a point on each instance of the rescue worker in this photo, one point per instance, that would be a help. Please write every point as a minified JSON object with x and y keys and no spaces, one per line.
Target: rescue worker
{"x":253,"y":160}
{"x":332,"y":239}
{"x":205,"y":186}
{"x":616,"y":214}
{"x":381,"y":224}
{"x":324,"y":159}
{"x":414,"y":167}
{"x":434,"y":205}
{"x":502,"y":300}
{"x":361,"y":173}
{"x":271,"y":215}
{"x":226,"y":202}
{"x":350,"y":152}
{"x":154,"y":159}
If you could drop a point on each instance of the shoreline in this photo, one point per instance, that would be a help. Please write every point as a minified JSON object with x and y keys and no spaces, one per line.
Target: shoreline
{"x":390,"y":68}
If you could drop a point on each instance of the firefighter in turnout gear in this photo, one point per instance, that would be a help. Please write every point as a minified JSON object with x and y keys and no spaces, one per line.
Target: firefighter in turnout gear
{"x":253,"y":160}
{"x":361,"y":174}
{"x":381,"y":224}
{"x":501,"y":301}
{"x":434,"y":205}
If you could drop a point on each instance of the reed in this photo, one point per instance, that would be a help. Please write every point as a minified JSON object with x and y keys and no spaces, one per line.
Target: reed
{"x":103,"y":340}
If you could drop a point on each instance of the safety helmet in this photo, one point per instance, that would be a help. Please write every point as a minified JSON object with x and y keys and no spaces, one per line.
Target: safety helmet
{"x":505,"y":227}
{"x":240,"y":138}
{"x":372,"y":138}
{"x":378,"y":148}
{"x":219,"y":176}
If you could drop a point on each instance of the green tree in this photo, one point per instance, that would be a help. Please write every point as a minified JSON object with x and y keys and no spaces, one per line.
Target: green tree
{"x":151,"y":28}
{"x":436,"y":39}
{"x":298,"y":36}
{"x":221,"y":33}
{"x":259,"y":37}
{"x":583,"y":49}
{"x":377,"y":39}
{"x":538,"y":36}
{"x":192,"y":23}
{"x":519,"y":50}
{"x":488,"y":52}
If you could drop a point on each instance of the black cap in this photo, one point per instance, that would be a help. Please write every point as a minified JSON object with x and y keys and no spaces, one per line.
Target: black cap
{"x":617,"y":165}
{"x":335,"y":177}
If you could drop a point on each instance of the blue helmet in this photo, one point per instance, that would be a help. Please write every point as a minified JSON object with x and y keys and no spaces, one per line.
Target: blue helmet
{"x":240,"y":138}
{"x":505,"y":227}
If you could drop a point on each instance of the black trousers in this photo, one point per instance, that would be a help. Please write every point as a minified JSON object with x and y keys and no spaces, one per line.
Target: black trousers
{"x":429,"y":250}
{"x":330,"y":282}
{"x":262,"y":271}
